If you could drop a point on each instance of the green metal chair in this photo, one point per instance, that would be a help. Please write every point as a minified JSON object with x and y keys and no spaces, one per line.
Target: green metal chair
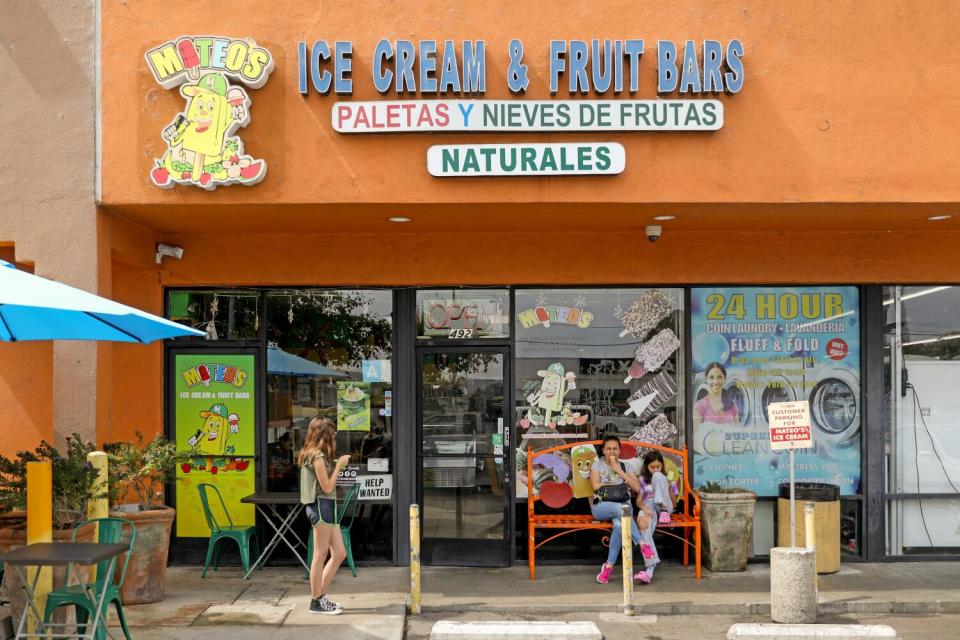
{"x":244,"y":536}
{"x":349,"y":504}
{"x":110,"y":531}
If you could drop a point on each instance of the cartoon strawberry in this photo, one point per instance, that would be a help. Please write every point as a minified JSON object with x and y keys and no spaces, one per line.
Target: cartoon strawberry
{"x":214,"y":470}
{"x":185,"y":467}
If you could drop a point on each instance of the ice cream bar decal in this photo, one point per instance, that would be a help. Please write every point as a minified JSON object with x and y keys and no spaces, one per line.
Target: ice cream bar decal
{"x":202,"y":149}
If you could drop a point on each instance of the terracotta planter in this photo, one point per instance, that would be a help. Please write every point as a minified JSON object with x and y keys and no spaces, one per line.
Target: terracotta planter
{"x":13,"y":535}
{"x":147,"y":571}
{"x":727,"y":521}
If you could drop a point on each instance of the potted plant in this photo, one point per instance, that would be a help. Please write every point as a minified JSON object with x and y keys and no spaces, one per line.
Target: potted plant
{"x":726,"y":515}
{"x":138,"y":472}
{"x":73,"y":480}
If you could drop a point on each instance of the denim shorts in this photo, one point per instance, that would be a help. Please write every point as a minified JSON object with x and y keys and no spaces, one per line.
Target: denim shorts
{"x":323,"y":512}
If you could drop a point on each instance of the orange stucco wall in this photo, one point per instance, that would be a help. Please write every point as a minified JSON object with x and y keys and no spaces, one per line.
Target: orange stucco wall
{"x":831,"y":160}
{"x":26,"y":395}
{"x":843,"y":101}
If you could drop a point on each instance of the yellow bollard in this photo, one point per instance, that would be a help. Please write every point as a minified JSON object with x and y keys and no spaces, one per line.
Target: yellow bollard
{"x":414,"y":560}
{"x":40,"y":526}
{"x":810,"y":537}
{"x":626,"y":531}
{"x":99,"y":505}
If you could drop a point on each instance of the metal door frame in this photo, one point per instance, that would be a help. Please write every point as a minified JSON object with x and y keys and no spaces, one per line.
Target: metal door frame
{"x":508,"y":454}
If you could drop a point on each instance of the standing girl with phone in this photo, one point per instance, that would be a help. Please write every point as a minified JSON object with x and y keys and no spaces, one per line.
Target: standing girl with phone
{"x":318,"y":491}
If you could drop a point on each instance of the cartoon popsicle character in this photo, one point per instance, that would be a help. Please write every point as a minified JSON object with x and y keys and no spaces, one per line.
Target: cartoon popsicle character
{"x":211,"y":438}
{"x":188,"y":53}
{"x":555,"y":385}
{"x":583,"y":457}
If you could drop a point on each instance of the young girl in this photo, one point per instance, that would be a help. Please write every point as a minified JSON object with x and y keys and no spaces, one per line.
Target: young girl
{"x":318,"y":490}
{"x":655,"y":501}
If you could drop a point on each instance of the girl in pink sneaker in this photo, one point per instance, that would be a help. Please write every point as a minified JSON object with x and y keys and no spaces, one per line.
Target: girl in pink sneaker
{"x":655,"y":503}
{"x":613,"y":484}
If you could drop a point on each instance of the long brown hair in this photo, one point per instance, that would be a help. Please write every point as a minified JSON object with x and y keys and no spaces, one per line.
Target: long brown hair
{"x":321,"y":438}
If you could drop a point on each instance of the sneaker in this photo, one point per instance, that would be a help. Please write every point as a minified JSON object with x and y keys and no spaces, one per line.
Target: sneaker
{"x":642,"y":576}
{"x":647,"y":552}
{"x":664,"y":517}
{"x":604,"y":576}
{"x":324,"y":606}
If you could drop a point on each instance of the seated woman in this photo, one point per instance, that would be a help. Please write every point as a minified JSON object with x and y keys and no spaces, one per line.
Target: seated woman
{"x":611,"y":481}
{"x":655,"y":501}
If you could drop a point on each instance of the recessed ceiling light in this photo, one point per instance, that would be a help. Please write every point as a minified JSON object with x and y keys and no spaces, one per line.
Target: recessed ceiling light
{"x":399,"y":219}
{"x":665,"y":217}
{"x":945,"y":216}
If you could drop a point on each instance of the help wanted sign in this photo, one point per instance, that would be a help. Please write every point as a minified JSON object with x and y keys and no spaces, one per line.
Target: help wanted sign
{"x":379,"y":487}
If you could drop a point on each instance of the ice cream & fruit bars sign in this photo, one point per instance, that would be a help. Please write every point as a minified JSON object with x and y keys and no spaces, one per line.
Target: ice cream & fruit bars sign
{"x":202,"y":149}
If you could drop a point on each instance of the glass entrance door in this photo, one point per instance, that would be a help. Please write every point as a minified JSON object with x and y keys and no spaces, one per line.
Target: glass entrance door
{"x":464,"y":491}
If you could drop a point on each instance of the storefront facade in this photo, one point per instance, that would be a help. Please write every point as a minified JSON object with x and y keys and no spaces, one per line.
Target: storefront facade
{"x":363,"y":254}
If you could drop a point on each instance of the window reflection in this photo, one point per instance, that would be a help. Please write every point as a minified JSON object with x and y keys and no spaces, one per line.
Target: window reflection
{"x":223,"y":315}
{"x":577,"y":375}
{"x":330,"y":349}
{"x":922,"y":354}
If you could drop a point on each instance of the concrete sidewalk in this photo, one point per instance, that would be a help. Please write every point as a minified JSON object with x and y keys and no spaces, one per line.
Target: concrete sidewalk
{"x":273,"y":605}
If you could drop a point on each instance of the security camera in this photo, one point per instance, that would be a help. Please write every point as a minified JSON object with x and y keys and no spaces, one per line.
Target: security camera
{"x":654,"y":231}
{"x":168,"y":250}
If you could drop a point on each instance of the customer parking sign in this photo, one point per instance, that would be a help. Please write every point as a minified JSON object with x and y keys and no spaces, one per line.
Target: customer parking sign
{"x":790,"y":425}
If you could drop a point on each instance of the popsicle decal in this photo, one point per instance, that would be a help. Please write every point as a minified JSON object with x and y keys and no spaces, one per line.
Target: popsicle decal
{"x":202,"y":149}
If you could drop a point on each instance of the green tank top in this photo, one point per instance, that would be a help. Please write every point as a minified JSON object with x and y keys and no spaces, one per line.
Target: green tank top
{"x":309,"y":485}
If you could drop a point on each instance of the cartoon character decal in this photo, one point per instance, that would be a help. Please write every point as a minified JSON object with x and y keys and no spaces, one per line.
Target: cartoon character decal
{"x":211,"y":438}
{"x":547,"y":407}
{"x":583,"y":458}
{"x":201,"y":147}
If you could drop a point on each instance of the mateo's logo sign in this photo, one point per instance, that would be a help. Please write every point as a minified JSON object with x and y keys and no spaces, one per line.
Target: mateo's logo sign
{"x":201,"y":147}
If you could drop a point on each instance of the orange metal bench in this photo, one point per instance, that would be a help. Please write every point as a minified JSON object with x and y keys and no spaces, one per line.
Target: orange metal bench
{"x":687,"y":522}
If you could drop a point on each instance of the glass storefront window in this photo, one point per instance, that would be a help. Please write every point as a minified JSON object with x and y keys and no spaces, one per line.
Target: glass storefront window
{"x":463,"y":313}
{"x":224,"y":315}
{"x":921,"y":377}
{"x":753,"y":346}
{"x":329,"y":353}
{"x":595,"y":361}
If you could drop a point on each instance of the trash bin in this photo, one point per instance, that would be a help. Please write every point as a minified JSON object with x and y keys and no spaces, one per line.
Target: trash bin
{"x":826,"y":515}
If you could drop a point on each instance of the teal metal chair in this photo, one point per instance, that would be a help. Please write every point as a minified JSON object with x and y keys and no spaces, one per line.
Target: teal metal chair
{"x":244,"y":536}
{"x":110,"y":531}
{"x":349,"y":504}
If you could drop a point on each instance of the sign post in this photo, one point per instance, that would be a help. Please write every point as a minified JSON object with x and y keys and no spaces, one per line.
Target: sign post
{"x":790,"y":430}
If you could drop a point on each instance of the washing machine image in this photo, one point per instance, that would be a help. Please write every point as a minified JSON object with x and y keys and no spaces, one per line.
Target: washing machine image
{"x":739,"y":392}
{"x":835,"y":404}
{"x":774,"y":388}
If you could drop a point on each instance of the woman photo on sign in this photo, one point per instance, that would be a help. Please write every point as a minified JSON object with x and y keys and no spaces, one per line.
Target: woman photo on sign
{"x":717,"y":406}
{"x":612,"y":484}
{"x":318,"y":490}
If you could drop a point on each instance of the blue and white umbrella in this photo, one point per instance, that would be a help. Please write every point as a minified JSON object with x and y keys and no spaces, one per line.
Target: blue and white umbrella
{"x":34,"y":308}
